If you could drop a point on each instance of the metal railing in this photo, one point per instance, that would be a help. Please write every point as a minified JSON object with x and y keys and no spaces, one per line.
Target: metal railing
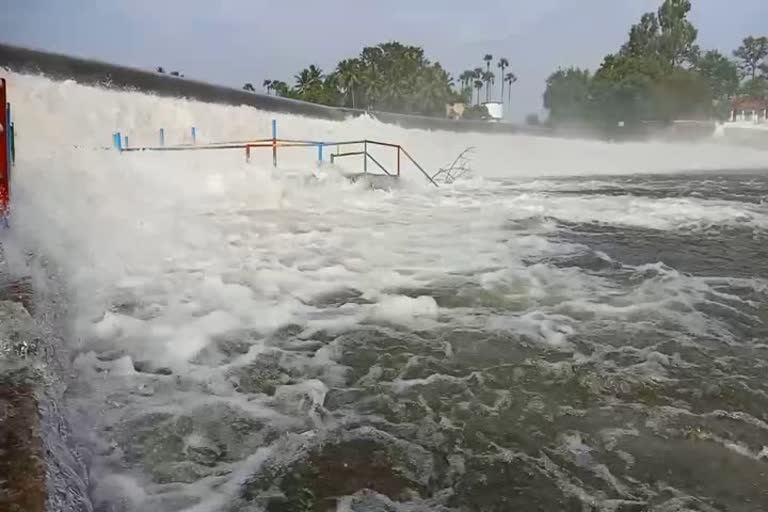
{"x":274,"y":143}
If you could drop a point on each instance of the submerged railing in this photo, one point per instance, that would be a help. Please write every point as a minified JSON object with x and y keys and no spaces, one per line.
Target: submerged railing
{"x":121,"y":143}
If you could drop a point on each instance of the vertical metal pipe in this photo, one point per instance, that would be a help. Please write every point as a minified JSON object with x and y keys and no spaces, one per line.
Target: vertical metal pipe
{"x":398,"y":161}
{"x":365,"y":157}
{"x":274,"y":142}
{"x":162,"y":136}
{"x":194,"y":135}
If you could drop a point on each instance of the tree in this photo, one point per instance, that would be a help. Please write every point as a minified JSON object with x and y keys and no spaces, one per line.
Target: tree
{"x":755,"y":87}
{"x":488,"y":58}
{"x":567,"y":94}
{"x":677,"y":36}
{"x":268,"y":85}
{"x":466,"y":79}
{"x":160,"y":69}
{"x":510,"y":78}
{"x":721,"y":73}
{"x":643,"y":37}
{"x":667,"y":35}
{"x":349,"y":77}
{"x":281,"y":88}
{"x":489,"y":78}
{"x":751,"y":54}
{"x":249,"y":87}
{"x":503,"y":64}
{"x":478,"y":86}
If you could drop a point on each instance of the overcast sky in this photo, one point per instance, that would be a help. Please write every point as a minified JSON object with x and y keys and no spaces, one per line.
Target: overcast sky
{"x":238,"y":41}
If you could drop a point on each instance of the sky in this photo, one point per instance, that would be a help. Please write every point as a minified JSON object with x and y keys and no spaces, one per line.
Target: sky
{"x":236,"y":41}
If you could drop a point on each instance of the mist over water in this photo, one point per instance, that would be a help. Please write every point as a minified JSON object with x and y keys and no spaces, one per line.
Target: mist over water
{"x":576,"y":326}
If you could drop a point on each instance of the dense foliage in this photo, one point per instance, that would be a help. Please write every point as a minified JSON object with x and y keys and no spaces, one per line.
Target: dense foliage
{"x":393,"y":77}
{"x":658,"y":75}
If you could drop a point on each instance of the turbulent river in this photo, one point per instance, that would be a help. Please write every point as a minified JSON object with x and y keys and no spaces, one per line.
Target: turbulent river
{"x":576,"y":326}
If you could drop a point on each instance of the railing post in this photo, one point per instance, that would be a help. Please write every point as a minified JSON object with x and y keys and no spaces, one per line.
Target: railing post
{"x":4,"y":135}
{"x":247,"y":153}
{"x":194,"y":135}
{"x":365,"y":157}
{"x":398,"y":161}
{"x":274,"y":143}
{"x":319,"y":155}
{"x":162,"y":136}
{"x":126,"y":141}
{"x":9,"y":134}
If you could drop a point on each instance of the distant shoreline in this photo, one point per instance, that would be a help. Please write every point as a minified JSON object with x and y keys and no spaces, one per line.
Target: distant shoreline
{"x":104,"y":74}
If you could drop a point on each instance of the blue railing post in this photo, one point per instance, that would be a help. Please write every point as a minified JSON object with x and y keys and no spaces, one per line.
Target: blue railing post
{"x":126,"y":141}
{"x":274,"y":143}
{"x":162,"y":136}
{"x":9,"y":142}
{"x":117,"y":141}
{"x":13,"y":144}
{"x":319,"y":155}
{"x":194,"y":135}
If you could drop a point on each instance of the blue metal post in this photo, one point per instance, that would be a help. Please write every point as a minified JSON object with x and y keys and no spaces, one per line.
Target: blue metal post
{"x":162,"y":136}
{"x":274,"y":142}
{"x":319,"y":155}
{"x":194,"y":135}
{"x":7,"y":135}
{"x":13,"y":144}
{"x":126,"y":141}
{"x":118,"y":141}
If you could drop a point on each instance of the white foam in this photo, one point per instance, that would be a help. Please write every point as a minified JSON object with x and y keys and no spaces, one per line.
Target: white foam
{"x":163,"y":253}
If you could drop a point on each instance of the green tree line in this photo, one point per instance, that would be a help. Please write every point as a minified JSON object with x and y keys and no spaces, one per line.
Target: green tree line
{"x":394,"y":77}
{"x":660,"y":74}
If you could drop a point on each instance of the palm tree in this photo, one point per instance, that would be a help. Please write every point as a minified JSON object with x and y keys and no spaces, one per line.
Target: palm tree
{"x":349,"y":77}
{"x":280,"y":88}
{"x":503,"y":64}
{"x":488,"y":58}
{"x":308,"y":81}
{"x":160,"y":69}
{"x":478,"y":86}
{"x":249,"y":87}
{"x":268,"y":85}
{"x":488,"y":78}
{"x":466,"y":79}
{"x":510,"y":78}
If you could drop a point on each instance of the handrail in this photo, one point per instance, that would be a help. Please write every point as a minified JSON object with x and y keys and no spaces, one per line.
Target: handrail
{"x":418,"y":166}
{"x":378,"y":164}
{"x":275,"y":142}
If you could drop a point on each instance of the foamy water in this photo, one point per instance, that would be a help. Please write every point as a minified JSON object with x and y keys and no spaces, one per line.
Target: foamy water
{"x":232,"y":321}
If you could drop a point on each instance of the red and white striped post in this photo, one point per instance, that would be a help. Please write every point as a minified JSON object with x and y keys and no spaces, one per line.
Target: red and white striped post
{"x":4,"y":150}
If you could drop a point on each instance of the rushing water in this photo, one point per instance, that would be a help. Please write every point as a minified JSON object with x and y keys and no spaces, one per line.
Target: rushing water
{"x":254,"y":339}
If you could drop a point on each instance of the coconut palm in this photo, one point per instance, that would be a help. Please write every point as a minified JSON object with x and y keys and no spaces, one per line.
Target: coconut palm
{"x":308,"y":80}
{"x":503,"y":64}
{"x":280,"y":88}
{"x":466,"y":82}
{"x":489,"y":78}
{"x":268,"y":86}
{"x":510,"y":78}
{"x":349,"y":77}
{"x":249,"y":87}
{"x":478,"y":85}
{"x":488,"y":59}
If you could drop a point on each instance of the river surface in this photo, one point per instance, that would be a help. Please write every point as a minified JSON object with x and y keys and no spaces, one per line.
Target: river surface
{"x":562,"y":344}
{"x":573,"y":326}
